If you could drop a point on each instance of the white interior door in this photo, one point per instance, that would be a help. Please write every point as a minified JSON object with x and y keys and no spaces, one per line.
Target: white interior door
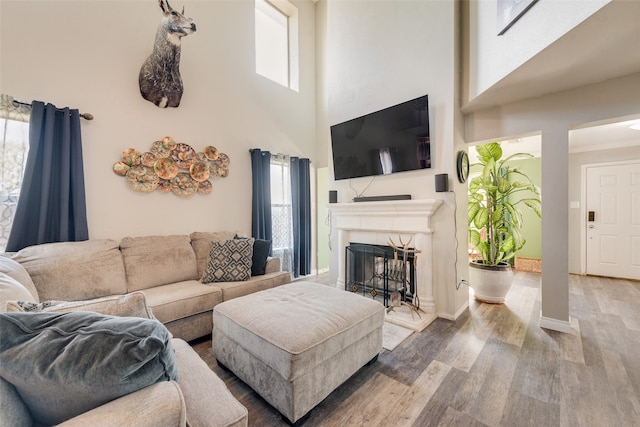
{"x":613,"y":220}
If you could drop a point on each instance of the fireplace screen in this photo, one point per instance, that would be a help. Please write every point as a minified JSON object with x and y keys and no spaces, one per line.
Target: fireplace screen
{"x":380,"y":272}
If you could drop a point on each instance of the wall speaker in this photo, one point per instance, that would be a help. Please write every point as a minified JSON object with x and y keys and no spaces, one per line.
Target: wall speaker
{"x":333,"y":196}
{"x":442,"y":183}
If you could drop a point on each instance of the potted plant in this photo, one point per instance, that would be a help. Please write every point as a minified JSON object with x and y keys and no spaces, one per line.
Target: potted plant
{"x":495,"y":220}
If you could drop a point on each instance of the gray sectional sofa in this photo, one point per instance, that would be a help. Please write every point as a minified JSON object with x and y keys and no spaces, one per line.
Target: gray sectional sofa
{"x":153,"y":277}
{"x":167,"y":269}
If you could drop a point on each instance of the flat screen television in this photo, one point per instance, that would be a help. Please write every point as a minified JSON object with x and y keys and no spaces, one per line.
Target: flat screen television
{"x":395,"y":139}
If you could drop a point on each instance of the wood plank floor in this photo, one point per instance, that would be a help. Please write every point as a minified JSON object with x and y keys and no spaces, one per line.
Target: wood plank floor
{"x":494,"y":366}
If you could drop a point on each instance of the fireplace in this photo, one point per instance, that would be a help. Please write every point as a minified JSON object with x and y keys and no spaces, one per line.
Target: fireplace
{"x":379,"y":272}
{"x":375,"y":223}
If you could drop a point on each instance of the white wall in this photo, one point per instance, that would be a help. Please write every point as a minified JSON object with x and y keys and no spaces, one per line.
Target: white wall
{"x":490,"y":57}
{"x":87,"y":55}
{"x":379,"y":54}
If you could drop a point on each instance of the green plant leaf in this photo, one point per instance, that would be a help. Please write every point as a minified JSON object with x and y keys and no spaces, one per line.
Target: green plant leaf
{"x":497,"y":215}
{"x":474,"y":238}
{"x":503,"y":185}
{"x":487,"y":172}
{"x":535,"y":205}
{"x":509,"y":256}
{"x":472,"y":212}
{"x":507,"y":244}
{"x":493,"y":150}
{"x":483,"y":249}
{"x":481,"y":218}
{"x":514,"y":214}
{"x":518,"y":239}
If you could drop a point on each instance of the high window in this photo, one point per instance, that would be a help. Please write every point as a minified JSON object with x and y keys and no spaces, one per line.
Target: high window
{"x":276,"y":41}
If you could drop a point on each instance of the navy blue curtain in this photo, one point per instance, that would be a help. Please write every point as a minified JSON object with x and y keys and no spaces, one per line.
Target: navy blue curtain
{"x":52,"y":204}
{"x":301,"y":207}
{"x":261,"y":194}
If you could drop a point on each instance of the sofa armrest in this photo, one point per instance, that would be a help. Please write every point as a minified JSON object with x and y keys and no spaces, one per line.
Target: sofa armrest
{"x":273,"y":265}
{"x":158,"y":405}
{"x":209,"y":401}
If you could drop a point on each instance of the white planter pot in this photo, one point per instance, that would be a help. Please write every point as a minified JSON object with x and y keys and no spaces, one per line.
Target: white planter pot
{"x":490,"y":283}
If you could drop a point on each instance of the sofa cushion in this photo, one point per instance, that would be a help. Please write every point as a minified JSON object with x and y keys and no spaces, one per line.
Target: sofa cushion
{"x":64,"y":364}
{"x":129,"y":305}
{"x":261,"y":251}
{"x":74,"y":271}
{"x":229,"y":261}
{"x":183,"y":299}
{"x":15,"y":270}
{"x":201,"y":243}
{"x":11,"y":289}
{"x":157,"y":260}
{"x":232,"y":290}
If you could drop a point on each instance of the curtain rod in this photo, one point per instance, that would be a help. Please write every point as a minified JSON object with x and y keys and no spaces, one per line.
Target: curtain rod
{"x":251,"y":151}
{"x":86,"y":116}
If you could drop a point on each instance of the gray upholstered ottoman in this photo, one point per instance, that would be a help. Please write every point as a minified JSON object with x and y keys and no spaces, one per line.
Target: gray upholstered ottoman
{"x":294,"y":344}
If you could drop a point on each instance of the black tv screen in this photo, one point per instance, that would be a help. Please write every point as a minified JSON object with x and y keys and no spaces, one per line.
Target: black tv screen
{"x":395,"y":139}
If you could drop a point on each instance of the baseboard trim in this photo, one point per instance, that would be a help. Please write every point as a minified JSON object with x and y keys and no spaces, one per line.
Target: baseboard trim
{"x":555,"y":324}
{"x":458,"y":313}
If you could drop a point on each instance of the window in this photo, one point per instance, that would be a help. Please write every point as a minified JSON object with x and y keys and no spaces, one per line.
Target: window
{"x":281,"y":210}
{"x":14,"y":146}
{"x":276,"y":41}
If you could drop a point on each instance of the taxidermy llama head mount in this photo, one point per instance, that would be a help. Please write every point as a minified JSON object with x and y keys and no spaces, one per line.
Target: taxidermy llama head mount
{"x":159,"y":78}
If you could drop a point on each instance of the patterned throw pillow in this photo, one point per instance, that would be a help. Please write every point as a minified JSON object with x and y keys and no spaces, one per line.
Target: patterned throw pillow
{"x":261,"y":250}
{"x":229,"y":261}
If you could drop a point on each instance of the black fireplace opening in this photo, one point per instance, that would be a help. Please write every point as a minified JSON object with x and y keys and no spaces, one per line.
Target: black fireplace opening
{"x":380,"y":272}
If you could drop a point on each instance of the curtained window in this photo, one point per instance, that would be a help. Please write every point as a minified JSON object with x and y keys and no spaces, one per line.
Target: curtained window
{"x":284,"y":213}
{"x":281,"y":214}
{"x":14,"y":147}
{"x":52,"y":205}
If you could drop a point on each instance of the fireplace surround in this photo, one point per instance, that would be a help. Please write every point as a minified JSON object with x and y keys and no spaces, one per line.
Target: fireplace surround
{"x":375,"y":223}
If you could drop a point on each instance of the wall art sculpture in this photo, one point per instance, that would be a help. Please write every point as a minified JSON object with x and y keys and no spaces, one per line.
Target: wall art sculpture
{"x":173,"y":167}
{"x":159,"y":78}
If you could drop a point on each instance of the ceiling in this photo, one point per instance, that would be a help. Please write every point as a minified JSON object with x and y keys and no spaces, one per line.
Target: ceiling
{"x":612,"y":35}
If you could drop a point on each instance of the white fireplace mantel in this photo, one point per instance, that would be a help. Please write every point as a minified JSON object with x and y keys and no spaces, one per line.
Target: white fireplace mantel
{"x":376,"y":223}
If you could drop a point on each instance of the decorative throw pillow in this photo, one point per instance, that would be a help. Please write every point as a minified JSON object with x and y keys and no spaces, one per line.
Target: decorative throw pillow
{"x":64,"y":364}
{"x":261,"y":250}
{"x":229,"y":261}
